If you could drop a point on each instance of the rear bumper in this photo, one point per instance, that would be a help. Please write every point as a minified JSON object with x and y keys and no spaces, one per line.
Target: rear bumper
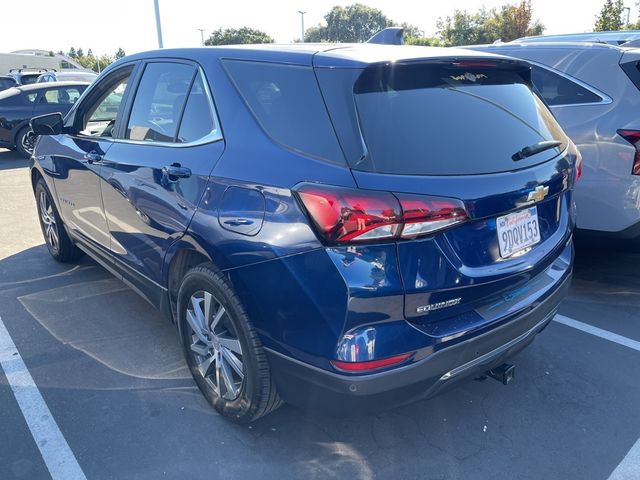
{"x":310,"y":387}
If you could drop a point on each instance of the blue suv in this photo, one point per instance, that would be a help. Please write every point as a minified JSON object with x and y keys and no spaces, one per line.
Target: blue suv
{"x":336,"y":226}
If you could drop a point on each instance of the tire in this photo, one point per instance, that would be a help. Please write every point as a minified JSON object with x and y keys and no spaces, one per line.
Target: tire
{"x":55,"y":235}
{"x":226,"y":335}
{"x":25,"y":141}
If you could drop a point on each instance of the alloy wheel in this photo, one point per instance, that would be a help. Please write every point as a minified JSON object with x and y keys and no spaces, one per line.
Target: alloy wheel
{"x":48,"y":219}
{"x":28,"y":141}
{"x":215,"y":345}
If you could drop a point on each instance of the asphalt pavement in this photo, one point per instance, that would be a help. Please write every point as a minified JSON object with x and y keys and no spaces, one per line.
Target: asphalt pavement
{"x":110,"y":371}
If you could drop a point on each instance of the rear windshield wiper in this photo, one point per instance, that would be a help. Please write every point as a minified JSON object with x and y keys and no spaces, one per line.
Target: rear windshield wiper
{"x":535,"y":148}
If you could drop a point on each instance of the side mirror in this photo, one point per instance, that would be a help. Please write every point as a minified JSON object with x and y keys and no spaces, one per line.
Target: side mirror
{"x":50,"y":124}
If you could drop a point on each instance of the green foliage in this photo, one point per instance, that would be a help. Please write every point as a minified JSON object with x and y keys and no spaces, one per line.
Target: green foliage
{"x":486,"y":26}
{"x":351,"y":24}
{"x":233,"y":36}
{"x":422,"y":41}
{"x":610,"y":17}
{"x":91,"y":61}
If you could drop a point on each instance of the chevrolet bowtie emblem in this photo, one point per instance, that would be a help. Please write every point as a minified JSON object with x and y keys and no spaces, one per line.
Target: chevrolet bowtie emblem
{"x":538,"y":194}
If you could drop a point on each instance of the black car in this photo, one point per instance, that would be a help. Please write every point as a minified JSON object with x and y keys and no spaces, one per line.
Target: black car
{"x":7,"y":81}
{"x":19,"y":104}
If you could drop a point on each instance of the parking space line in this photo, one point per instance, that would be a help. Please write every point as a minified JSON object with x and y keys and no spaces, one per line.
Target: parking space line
{"x":629,"y":467}
{"x":598,"y":332}
{"x":55,"y":451}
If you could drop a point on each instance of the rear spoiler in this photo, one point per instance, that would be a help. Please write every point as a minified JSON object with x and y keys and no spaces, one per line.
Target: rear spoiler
{"x":388,"y":36}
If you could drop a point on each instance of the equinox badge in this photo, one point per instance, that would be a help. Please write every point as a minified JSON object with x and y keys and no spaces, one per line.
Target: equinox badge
{"x":437,"y":306}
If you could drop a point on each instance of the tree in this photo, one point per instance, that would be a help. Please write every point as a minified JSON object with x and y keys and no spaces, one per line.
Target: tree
{"x":355,"y":23}
{"x":120,"y":53}
{"x":423,"y":41}
{"x":513,"y":21}
{"x":72,"y":52}
{"x":233,"y":36}
{"x":80,"y":52}
{"x":610,"y":17}
{"x":486,"y":26}
{"x":464,"y":28}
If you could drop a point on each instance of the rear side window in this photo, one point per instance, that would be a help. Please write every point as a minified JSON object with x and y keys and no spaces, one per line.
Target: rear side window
{"x":61,"y":96}
{"x":559,"y":90}
{"x":159,"y":101}
{"x":286,"y":101}
{"x":434,"y":119}
{"x":198,"y":118}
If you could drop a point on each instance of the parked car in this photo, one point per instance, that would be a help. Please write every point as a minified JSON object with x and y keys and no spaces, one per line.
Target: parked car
{"x":19,"y":104}
{"x":341,"y":227}
{"x":26,"y":76}
{"x":593,"y":90}
{"x":67,"y":76}
{"x":7,"y":81}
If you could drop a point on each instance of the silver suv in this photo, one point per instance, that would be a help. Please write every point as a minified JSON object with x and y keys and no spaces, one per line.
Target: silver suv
{"x":593,"y":90}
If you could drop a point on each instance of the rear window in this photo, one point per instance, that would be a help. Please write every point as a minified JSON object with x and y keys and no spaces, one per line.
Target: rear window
{"x":286,"y":101}
{"x":434,"y":119}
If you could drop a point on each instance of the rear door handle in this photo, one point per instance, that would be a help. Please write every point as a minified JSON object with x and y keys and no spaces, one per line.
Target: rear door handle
{"x":236,"y":222}
{"x":176,"y":171}
{"x":92,"y":157}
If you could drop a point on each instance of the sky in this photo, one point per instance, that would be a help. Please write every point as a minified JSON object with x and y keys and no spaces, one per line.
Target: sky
{"x":130,"y":24}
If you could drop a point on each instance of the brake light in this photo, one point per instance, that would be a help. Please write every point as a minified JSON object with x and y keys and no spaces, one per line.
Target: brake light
{"x":633,"y":137}
{"x":474,"y":63}
{"x":343,"y":215}
{"x":370,"y":365}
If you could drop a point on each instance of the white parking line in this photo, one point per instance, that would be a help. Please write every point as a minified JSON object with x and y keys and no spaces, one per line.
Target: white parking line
{"x":55,"y":451}
{"x":629,"y":468}
{"x":598,"y":332}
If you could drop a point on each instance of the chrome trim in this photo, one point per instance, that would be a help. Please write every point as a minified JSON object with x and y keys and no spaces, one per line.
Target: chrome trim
{"x":494,"y":353}
{"x":606,"y":99}
{"x":212,"y":137}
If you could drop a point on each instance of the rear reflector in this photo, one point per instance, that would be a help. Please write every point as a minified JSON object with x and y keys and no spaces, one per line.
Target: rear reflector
{"x":633,"y":137}
{"x":371,"y":364}
{"x":343,"y":215}
{"x":578,"y":167}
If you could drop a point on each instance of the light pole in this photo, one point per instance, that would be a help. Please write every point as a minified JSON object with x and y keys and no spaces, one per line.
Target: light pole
{"x":628,"y":9}
{"x":158,"y":26}
{"x":302,"y":21}
{"x":201,"y":36}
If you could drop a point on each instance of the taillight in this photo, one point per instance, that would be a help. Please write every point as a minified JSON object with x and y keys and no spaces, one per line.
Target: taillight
{"x":578,"y":167}
{"x":343,"y":215}
{"x":370,"y":365}
{"x":633,"y":137}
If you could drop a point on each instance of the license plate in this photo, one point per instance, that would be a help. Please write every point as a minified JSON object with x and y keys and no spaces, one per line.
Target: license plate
{"x":517,"y":231}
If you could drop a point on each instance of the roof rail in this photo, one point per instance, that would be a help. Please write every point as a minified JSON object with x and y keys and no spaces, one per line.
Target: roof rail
{"x":388,"y":36}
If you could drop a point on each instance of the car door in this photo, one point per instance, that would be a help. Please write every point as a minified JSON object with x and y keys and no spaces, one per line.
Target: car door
{"x":156,"y":172}
{"x":77,"y":162}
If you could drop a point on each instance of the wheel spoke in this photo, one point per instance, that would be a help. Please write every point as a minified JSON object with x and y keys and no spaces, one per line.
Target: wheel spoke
{"x":207,"y":308}
{"x":235,"y":363}
{"x":43,"y":204}
{"x":216,"y":319}
{"x":227,"y":377}
{"x":53,"y":236}
{"x":197,"y":328}
{"x":205,"y":366}
{"x":199,"y":315}
{"x":232,"y":344}
{"x":198,"y":347}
